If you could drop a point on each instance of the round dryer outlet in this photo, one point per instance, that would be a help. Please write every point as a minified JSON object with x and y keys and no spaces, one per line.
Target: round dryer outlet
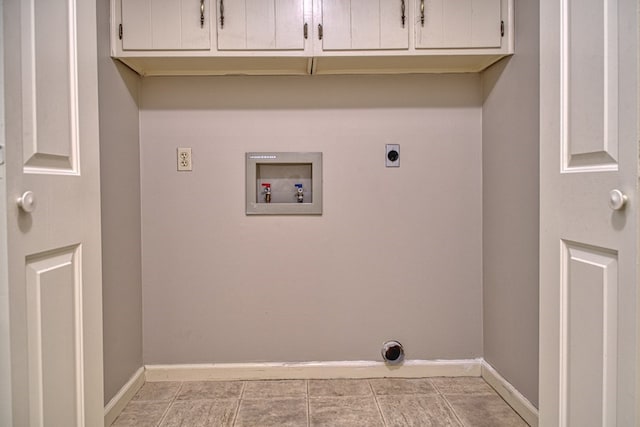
{"x":392,"y":352}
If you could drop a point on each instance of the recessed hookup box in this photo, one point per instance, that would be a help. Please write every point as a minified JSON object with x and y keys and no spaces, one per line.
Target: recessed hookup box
{"x":283,"y":183}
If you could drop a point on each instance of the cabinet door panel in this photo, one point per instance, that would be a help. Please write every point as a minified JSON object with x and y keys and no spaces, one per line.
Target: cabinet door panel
{"x":261,"y":25}
{"x":394,"y":35}
{"x":195,"y":34}
{"x":289,"y":24}
{"x":164,"y":25}
{"x":430,"y":33}
{"x":336,"y":23}
{"x":231,"y":24}
{"x":363,"y":25}
{"x":486,"y":20}
{"x":458,"y":24}
{"x":136,"y":21}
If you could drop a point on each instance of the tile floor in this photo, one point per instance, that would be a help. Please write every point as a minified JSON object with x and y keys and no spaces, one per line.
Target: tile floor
{"x":420,"y":402}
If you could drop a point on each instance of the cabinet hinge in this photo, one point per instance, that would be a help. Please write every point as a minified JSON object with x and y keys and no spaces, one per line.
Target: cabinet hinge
{"x":120,"y":31}
{"x":501,"y":28}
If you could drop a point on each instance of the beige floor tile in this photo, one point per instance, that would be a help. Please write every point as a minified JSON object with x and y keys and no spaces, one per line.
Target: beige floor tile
{"x":201,"y":413}
{"x":462,"y":385}
{"x":275,"y":388}
{"x":192,"y":390}
{"x":397,"y":386}
{"x":280,"y":412}
{"x":344,"y":412}
{"x":417,"y":411}
{"x":141,"y":414}
{"x":484,"y":411}
{"x":335,"y":403}
{"x":339,"y":387}
{"x":165,"y":390}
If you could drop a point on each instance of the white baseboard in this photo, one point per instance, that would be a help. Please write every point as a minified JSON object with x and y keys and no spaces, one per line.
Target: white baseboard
{"x":313,"y":370}
{"x":120,"y":400}
{"x":513,"y":397}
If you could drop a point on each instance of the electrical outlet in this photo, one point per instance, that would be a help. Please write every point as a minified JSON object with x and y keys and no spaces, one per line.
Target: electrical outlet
{"x":392,"y":155}
{"x":184,"y":159}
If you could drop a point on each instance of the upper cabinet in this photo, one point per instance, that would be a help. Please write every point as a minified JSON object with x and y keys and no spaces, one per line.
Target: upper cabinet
{"x":458,"y":24}
{"x":165,"y":25}
{"x":260,"y":24}
{"x":199,"y":37}
{"x":364,"y":24}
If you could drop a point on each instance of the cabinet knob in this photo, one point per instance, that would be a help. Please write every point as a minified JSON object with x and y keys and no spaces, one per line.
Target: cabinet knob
{"x":617,"y":200}
{"x":27,"y":202}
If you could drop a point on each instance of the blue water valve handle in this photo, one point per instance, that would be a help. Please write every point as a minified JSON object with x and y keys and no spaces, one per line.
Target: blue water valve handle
{"x":298,"y":185}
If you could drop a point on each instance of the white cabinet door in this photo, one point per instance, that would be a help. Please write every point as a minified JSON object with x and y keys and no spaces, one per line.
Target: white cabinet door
{"x":165,"y":25}
{"x":365,"y":24}
{"x":260,"y":24}
{"x":54,"y":269}
{"x":588,"y":243}
{"x":458,"y":24}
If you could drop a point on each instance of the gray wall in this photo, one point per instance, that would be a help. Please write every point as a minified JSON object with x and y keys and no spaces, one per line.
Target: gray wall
{"x":510,"y":208}
{"x":120,"y":189}
{"x":396,"y":254}
{"x":5,"y":341}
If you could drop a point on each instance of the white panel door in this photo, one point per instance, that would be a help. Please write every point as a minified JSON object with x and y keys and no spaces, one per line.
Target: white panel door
{"x":260,"y":24}
{"x":588,"y":242}
{"x":365,"y":24}
{"x":458,"y":24}
{"x":53,"y":234}
{"x":165,"y":25}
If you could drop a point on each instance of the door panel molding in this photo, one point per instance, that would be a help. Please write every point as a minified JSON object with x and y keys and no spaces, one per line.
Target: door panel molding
{"x":588,"y":334}
{"x":55,"y":337}
{"x":50,"y":110}
{"x":589,"y":94}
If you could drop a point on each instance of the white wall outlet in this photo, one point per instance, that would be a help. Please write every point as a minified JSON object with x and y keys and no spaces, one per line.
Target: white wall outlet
{"x":392,"y":156}
{"x":184,"y":159}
